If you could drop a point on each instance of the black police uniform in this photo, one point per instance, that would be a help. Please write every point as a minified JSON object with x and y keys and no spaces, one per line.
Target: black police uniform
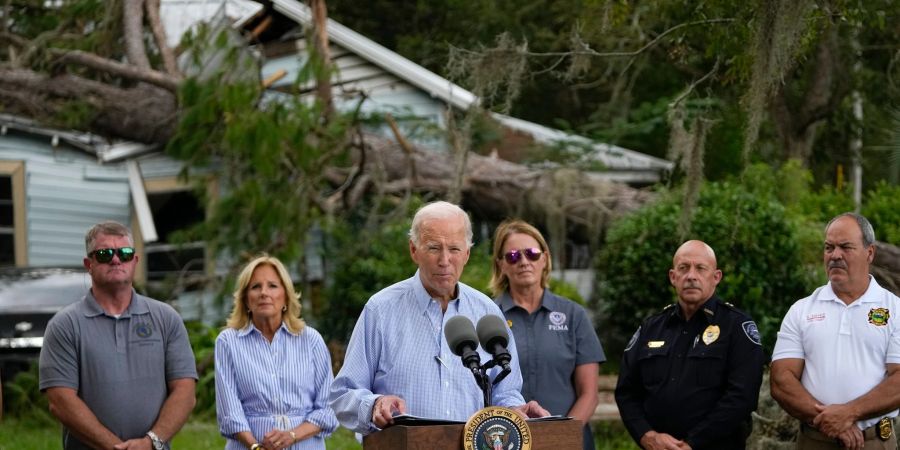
{"x":697,"y":380}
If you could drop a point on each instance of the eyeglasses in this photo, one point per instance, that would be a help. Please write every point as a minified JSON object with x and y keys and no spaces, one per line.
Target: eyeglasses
{"x":105,"y":255}
{"x":513,"y":256}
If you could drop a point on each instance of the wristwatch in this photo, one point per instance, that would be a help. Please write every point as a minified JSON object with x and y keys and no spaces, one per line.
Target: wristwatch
{"x":158,"y":443}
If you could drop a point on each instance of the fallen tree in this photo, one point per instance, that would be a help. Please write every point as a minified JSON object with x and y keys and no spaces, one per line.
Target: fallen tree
{"x":886,"y":266}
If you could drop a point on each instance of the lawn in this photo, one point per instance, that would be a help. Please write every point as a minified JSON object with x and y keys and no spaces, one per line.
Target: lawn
{"x":203,"y":435}
{"x":196,"y":435}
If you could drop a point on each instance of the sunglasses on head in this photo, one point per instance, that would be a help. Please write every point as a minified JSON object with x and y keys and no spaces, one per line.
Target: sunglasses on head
{"x":513,"y":256}
{"x":105,"y":255}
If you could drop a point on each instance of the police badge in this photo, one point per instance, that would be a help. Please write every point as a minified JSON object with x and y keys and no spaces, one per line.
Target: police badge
{"x":710,"y":334}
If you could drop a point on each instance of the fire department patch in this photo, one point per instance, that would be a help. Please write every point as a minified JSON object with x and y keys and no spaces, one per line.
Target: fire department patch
{"x":879,"y":316}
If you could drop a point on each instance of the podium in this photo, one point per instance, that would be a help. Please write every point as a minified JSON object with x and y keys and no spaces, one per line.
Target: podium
{"x":549,"y":435}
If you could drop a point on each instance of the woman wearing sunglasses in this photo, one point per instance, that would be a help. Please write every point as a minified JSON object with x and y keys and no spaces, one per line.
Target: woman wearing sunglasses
{"x":273,"y":373}
{"x":559,"y":352}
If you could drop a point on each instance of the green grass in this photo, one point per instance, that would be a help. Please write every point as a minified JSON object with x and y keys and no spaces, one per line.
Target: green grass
{"x":204,"y":435}
{"x":196,"y":435}
{"x":26,"y":434}
{"x":612,"y":435}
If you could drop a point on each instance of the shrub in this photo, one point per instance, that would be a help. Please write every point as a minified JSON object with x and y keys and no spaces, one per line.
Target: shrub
{"x":203,"y":342}
{"x":756,"y":247}
{"x":23,"y":399}
{"x":363,"y":260}
{"x":882,"y":208}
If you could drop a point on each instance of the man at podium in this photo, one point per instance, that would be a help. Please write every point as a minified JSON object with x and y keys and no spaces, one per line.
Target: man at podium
{"x":398,"y":360}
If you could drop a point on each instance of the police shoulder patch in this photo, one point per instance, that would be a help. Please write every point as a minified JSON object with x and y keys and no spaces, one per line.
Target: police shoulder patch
{"x":751,"y":332}
{"x":634,"y":339}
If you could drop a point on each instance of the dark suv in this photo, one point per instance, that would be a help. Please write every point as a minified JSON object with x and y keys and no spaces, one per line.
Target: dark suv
{"x":29,"y":297}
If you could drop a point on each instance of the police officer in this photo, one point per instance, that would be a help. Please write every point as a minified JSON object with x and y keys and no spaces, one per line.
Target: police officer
{"x":691,"y":374}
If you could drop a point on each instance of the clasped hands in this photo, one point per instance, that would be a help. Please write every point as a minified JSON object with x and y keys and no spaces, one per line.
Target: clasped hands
{"x":652,"y":440}
{"x":838,"y":421}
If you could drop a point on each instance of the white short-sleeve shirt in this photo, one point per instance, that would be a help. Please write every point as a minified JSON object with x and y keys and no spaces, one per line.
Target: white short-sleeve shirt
{"x":845,"y":347}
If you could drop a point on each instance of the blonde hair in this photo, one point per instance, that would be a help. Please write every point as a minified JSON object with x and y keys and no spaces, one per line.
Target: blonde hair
{"x":240,"y":316}
{"x":499,"y":282}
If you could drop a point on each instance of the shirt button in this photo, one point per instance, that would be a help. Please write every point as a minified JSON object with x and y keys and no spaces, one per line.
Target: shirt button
{"x":446,"y":384}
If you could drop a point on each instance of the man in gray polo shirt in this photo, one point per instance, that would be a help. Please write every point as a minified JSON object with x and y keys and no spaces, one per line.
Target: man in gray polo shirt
{"x":117,"y":367}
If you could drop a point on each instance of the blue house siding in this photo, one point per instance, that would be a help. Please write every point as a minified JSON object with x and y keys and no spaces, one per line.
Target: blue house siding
{"x":66,"y":191}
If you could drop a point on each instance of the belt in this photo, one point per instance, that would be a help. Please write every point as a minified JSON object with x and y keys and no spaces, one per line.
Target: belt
{"x":881,"y":430}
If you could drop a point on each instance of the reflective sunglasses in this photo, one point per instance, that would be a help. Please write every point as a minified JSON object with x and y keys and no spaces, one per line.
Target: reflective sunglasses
{"x":513,"y":256}
{"x":105,"y":255}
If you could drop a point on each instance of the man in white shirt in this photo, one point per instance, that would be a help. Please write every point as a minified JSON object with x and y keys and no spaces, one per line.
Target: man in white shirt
{"x":836,"y":363}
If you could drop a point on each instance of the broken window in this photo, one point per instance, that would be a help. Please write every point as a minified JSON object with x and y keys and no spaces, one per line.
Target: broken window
{"x":171,"y":257}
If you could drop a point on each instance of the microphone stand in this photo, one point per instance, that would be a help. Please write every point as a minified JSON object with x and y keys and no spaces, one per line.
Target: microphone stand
{"x":484,"y":381}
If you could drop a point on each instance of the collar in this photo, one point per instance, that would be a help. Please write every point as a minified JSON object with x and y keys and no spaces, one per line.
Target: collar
{"x":708,"y":310}
{"x":250,"y":328}
{"x":138,"y":305}
{"x":423,"y":298}
{"x":549,"y":301}
{"x":869,"y":296}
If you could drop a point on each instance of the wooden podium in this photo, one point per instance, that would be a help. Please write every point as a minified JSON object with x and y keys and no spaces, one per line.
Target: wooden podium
{"x":549,"y":435}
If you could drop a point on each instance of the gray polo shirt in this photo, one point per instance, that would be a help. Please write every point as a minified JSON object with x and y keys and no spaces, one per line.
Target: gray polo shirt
{"x":119,"y":366}
{"x":551,"y":341}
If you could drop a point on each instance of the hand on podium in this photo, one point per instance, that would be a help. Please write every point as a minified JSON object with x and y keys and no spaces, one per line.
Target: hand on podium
{"x":532,"y":409}
{"x":385,"y":408}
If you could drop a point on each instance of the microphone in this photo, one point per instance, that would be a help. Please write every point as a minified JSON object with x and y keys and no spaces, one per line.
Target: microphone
{"x":494,"y":339}
{"x":463,"y":342}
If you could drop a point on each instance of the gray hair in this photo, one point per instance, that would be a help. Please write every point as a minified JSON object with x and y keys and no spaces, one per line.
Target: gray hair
{"x":868,"y":233}
{"x":109,"y":228}
{"x":438,"y":210}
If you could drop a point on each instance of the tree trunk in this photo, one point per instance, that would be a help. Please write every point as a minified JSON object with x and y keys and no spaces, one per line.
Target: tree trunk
{"x":320,"y":43}
{"x":797,"y":124}
{"x":886,"y":267}
{"x":497,"y":189}
{"x":144,"y":113}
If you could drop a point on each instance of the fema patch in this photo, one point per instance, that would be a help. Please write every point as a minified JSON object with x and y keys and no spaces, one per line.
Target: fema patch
{"x":879,"y":316}
{"x":143,"y":329}
{"x":634,"y":338}
{"x":752,"y":332}
{"x":557,"y":318}
{"x":557,"y":321}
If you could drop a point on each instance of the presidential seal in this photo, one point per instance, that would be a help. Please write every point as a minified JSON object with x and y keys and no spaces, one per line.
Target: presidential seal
{"x":496,"y":428}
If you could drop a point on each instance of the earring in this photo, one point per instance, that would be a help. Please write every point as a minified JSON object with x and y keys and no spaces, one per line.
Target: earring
{"x":284,"y":308}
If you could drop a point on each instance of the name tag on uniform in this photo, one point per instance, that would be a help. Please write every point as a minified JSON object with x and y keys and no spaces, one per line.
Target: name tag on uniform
{"x":655,"y":344}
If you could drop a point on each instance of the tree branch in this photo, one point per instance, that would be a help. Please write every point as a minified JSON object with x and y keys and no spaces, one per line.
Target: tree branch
{"x":129,"y":71}
{"x":589,"y":52}
{"x":133,"y":30}
{"x":159,"y":34}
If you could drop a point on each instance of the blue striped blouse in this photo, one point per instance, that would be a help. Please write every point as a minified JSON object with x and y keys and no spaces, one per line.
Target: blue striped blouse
{"x":261,"y":386}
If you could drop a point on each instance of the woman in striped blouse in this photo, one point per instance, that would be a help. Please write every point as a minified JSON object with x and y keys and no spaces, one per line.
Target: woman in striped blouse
{"x":273,"y":373}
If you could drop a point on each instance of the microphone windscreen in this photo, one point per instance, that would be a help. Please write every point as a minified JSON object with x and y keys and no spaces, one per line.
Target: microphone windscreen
{"x":492,"y":331}
{"x":460,"y":333}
